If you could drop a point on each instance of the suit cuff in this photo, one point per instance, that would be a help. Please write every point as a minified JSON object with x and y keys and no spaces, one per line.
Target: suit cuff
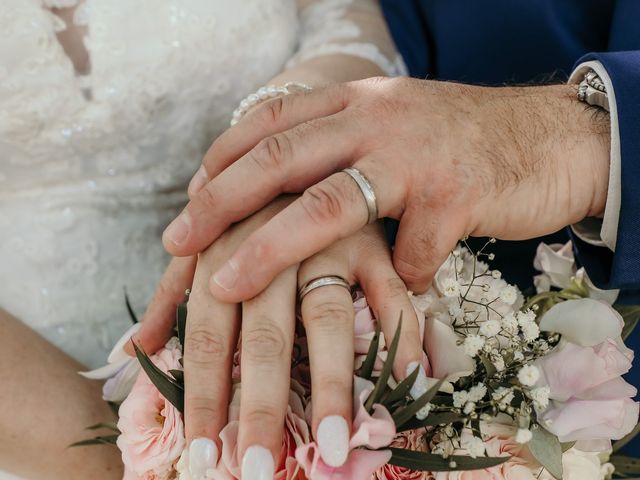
{"x":594,"y":231}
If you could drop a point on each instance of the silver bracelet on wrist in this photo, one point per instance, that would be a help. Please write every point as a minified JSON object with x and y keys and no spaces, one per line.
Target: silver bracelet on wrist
{"x":265,"y":93}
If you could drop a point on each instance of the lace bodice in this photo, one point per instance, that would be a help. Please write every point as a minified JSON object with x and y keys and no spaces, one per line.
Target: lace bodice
{"x":93,"y":166}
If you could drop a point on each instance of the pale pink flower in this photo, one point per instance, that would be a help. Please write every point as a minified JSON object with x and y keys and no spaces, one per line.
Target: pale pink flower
{"x":152,"y":436}
{"x":411,"y":440}
{"x":374,"y":431}
{"x":296,"y":433}
{"x":590,"y":401}
{"x":499,"y":440}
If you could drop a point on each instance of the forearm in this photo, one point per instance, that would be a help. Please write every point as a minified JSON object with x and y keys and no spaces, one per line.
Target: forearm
{"x":46,"y":406}
{"x":328,"y":69}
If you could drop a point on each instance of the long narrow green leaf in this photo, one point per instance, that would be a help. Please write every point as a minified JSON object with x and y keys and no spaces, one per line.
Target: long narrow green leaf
{"x":402,"y":390}
{"x":370,"y":360}
{"x":132,"y":314}
{"x":381,"y":383}
{"x":431,"y":421}
{"x":181,"y":322}
{"x":435,"y":463}
{"x":109,"y":426}
{"x":629,"y":466}
{"x":105,"y":440}
{"x":405,"y":414}
{"x":178,"y":375}
{"x":167,"y":386}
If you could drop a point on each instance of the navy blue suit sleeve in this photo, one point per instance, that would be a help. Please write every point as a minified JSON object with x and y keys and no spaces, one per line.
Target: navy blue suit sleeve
{"x":621,"y":270}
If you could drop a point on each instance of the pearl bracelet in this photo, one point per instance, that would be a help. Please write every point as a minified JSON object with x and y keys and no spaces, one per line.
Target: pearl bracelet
{"x":264,"y":93}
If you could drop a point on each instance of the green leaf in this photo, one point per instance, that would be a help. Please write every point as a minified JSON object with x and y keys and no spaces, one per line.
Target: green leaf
{"x":167,"y":386}
{"x":402,"y":416}
{"x":178,"y":375}
{"x":104,"y":440}
{"x":431,"y":421}
{"x":381,"y":383}
{"x":370,"y":360}
{"x":109,"y":426}
{"x":402,"y":390}
{"x":631,"y":315}
{"x":627,"y":438}
{"x":627,"y":466}
{"x":115,"y":408}
{"x":435,"y":463}
{"x":566,"y":446}
{"x":132,"y":314}
{"x":488,"y":366}
{"x":181,"y":322}
{"x":546,"y":448}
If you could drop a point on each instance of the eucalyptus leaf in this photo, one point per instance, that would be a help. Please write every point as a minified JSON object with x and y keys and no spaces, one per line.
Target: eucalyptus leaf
{"x":432,"y":420}
{"x":403,"y":389}
{"x":435,"y":463}
{"x":370,"y":360}
{"x":546,"y":448}
{"x":132,"y":314}
{"x":181,"y":322}
{"x":403,"y":415}
{"x":166,"y":385}
{"x":631,"y":315}
{"x":381,"y":383}
{"x":566,"y":446}
{"x":104,"y":440}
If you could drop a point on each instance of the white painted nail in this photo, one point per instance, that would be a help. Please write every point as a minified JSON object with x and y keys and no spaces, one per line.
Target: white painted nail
{"x":333,"y":440}
{"x":203,"y":455}
{"x":421,"y":385}
{"x":257,"y":464}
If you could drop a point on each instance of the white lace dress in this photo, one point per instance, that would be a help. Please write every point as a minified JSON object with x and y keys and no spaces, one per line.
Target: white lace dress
{"x":94,"y":161}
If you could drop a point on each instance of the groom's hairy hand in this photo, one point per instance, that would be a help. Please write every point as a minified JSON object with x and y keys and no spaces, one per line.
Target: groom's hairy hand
{"x":446,"y":159}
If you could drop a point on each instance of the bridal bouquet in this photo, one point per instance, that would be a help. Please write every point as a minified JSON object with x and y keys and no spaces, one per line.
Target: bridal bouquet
{"x":521,"y":388}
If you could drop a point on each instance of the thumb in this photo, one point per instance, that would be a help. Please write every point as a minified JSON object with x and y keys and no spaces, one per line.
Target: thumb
{"x":423,"y":243}
{"x":160,"y":317}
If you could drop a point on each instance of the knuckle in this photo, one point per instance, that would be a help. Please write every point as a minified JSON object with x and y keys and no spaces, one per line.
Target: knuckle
{"x":409,"y":271}
{"x":272,"y":152}
{"x":263,"y":343}
{"x":207,"y":198}
{"x":204,"y":347}
{"x":332,"y":315}
{"x":201,"y":408}
{"x":323,"y":202}
{"x":263,"y":415}
{"x":274,"y":110}
{"x":333,"y":384}
{"x":395,"y":287}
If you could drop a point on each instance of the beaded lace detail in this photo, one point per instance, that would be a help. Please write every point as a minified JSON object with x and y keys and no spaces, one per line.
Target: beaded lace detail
{"x":92,"y":167}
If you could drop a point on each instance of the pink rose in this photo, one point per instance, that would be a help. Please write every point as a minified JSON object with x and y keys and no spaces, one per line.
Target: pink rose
{"x":411,"y":440}
{"x":296,"y":433}
{"x":499,"y":442}
{"x":373,"y":431}
{"x":590,"y":401}
{"x":152,"y":436}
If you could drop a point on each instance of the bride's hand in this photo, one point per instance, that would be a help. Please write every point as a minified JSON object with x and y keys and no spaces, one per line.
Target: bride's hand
{"x":267,"y":339}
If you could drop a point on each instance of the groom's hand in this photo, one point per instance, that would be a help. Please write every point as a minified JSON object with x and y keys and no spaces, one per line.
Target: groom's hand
{"x":446,"y":159}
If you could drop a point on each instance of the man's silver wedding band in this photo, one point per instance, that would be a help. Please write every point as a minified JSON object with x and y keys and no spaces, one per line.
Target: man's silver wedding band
{"x":322,"y":282}
{"x":367,"y":192}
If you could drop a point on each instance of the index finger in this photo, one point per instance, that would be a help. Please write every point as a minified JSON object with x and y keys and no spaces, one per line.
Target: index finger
{"x":271,"y":117}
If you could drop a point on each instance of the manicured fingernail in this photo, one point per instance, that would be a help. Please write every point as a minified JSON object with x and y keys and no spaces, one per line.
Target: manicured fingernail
{"x":227,"y":276}
{"x":203,"y":455}
{"x":199,"y":180}
{"x":178,"y":230}
{"x":421,"y":385}
{"x":257,"y":464}
{"x":333,"y":440}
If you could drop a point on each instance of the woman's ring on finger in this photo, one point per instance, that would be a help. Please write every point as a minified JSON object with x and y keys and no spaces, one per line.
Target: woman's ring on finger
{"x":322,"y":282}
